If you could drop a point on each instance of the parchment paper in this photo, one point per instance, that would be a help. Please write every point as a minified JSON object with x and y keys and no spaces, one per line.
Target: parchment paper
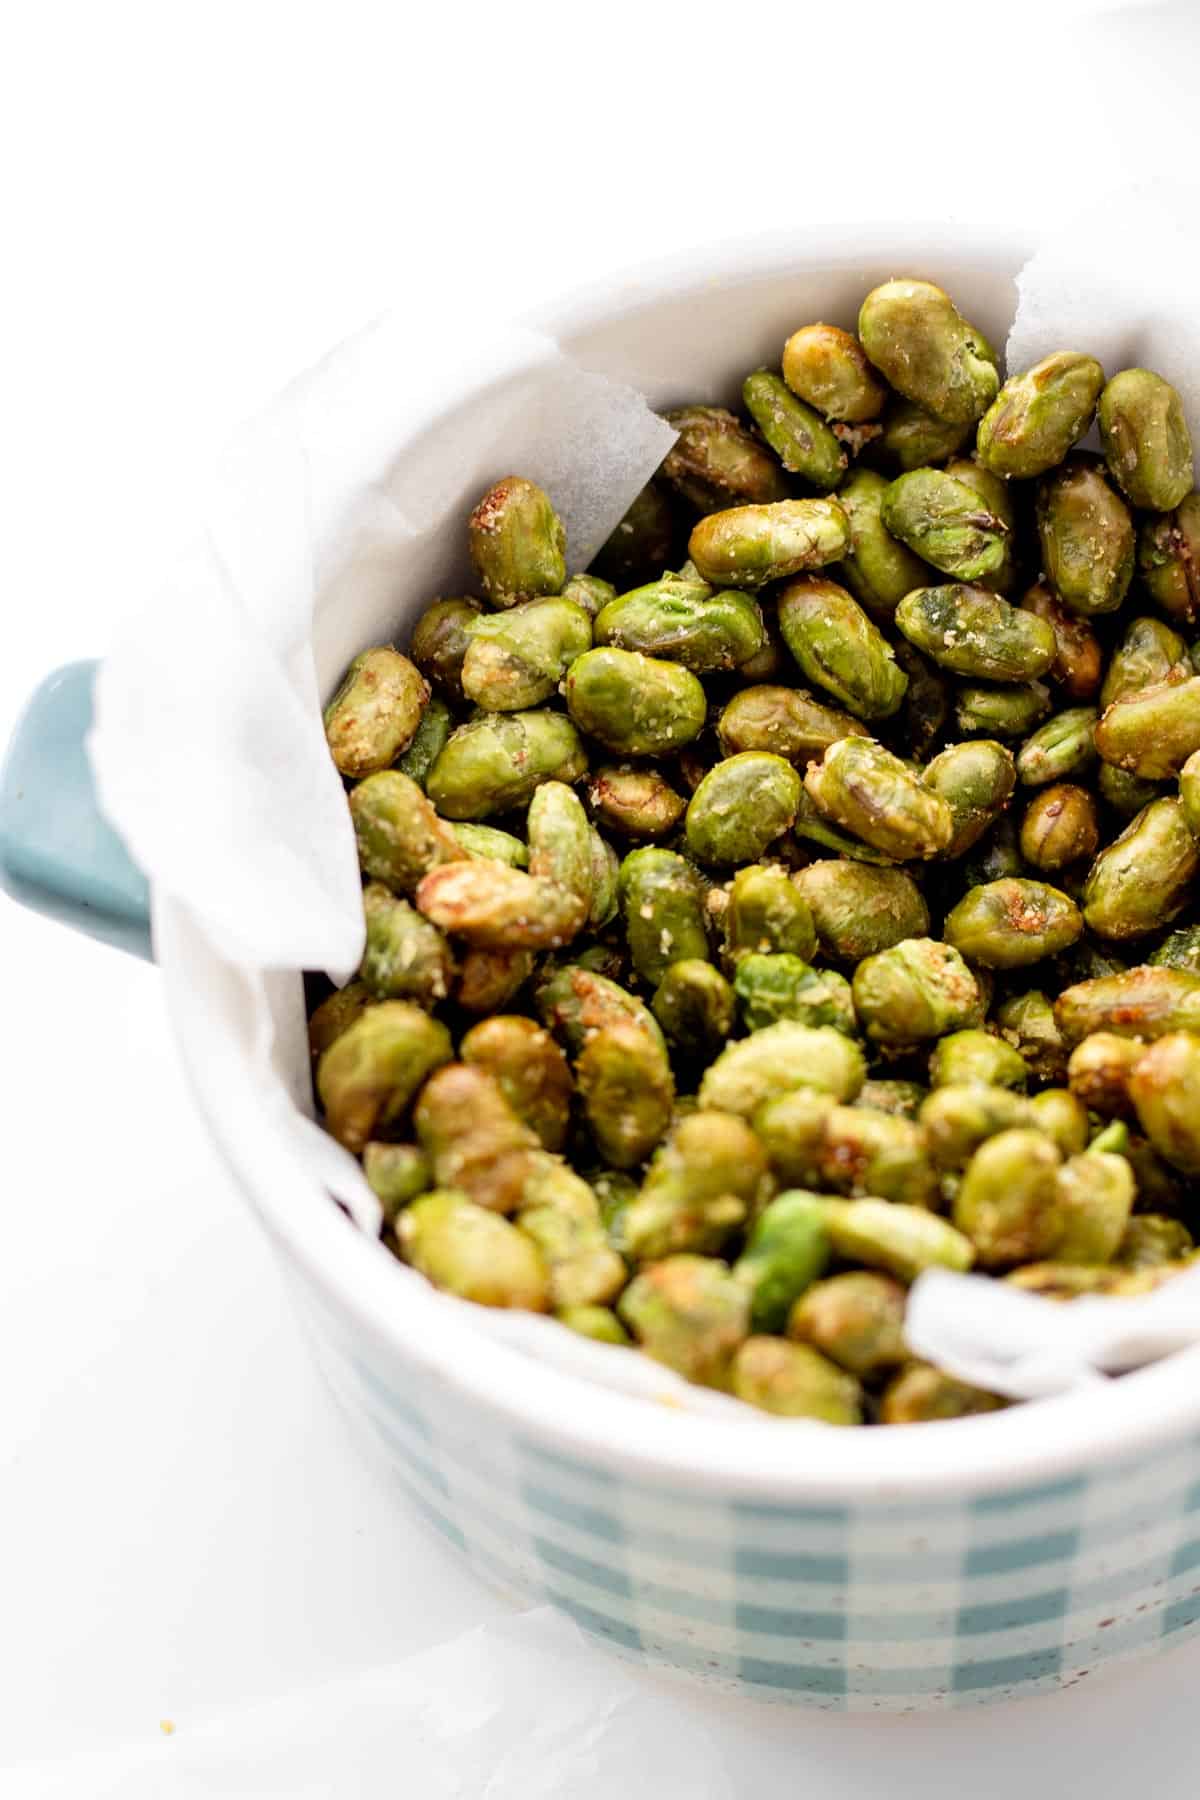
{"x":522,"y":1707}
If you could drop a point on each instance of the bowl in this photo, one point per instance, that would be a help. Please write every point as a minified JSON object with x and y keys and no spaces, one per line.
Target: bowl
{"x":940,"y":1565}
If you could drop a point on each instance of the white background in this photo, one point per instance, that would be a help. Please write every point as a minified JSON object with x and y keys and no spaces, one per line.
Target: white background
{"x":198,"y":201}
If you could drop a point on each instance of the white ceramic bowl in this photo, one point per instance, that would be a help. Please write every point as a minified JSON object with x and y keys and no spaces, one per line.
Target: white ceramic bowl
{"x":937,"y":1565}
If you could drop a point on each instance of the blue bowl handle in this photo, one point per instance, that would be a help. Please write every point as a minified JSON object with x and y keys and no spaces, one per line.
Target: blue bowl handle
{"x":58,"y":854}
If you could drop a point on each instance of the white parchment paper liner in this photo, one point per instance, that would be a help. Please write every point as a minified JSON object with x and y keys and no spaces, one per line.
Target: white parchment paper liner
{"x":521,"y":1707}
{"x":211,"y":760}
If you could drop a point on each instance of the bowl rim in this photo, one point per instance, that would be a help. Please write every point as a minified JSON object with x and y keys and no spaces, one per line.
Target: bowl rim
{"x":994,"y":245}
{"x":754,"y":1457}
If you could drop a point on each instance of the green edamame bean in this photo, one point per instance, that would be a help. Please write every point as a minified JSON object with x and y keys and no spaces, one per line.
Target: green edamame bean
{"x":864,"y":788}
{"x":1149,"y":652}
{"x":575,"y":1001}
{"x":700,"y":1187}
{"x":975,"y":779}
{"x":1168,"y":559}
{"x":902,"y":1099}
{"x":862,"y":1152}
{"x":690,"y":1313}
{"x":515,"y":659}
{"x":1086,"y":535}
{"x":743,"y":804}
{"x":517,"y":542}
{"x":912,"y":438}
{"x":1099,"y":1071}
{"x":530,"y":1070}
{"x":636,"y":803}
{"x":372,"y":1070}
{"x":1125,"y":792}
{"x":1003,"y":711}
{"x":1095,"y":1194}
{"x":662,"y":904}
{"x":946,"y":523}
{"x":428,"y":742}
{"x":921,"y":1393}
{"x":495,"y":907}
{"x":467,"y":1250}
{"x":1144,"y":878}
{"x":856,"y":1319}
{"x":695,"y":1006}
{"x":779,"y":986}
{"x":375,"y":713}
{"x":919,"y":341}
{"x":561,"y":843}
{"x":791,"y":1127}
{"x":915,"y":990}
{"x":1027,"y":1021}
{"x":1039,"y":415}
{"x":859,"y":910}
{"x":877,"y":568}
{"x":748,"y":546}
{"x":788,"y":1248}
{"x":901,"y":1240}
{"x":473,"y":1138}
{"x":497,"y":761}
{"x":1061,"y":827}
{"x":589,"y":591}
{"x":1141,"y":1003}
{"x":406,"y":958}
{"x":1151,"y":1240}
{"x":1008,"y":1201}
{"x":976,"y":633}
{"x":784,"y":722}
{"x":1189,"y":791}
{"x":627,"y":1089}
{"x":1063,"y":1117}
{"x":839,"y":649}
{"x":1061,"y":749}
{"x":398,"y":832}
{"x":956,"y":1120}
{"x":777,"y":1059}
{"x":599,"y":1323}
{"x":686,"y":622}
{"x":795,"y":1382}
{"x":489,"y":980}
{"x":766,"y":911}
{"x":561,"y":1214}
{"x":1078,"y":659}
{"x":1011,"y":923}
{"x":1146,"y":441}
{"x":634,"y":705}
{"x":490,"y":841}
{"x":963,"y":1057}
{"x":715,"y":462}
{"x":827,"y":367}
{"x":1165,"y":1089}
{"x":439,"y":642}
{"x":799,"y":436}
{"x":1152,"y":733}
{"x":397,"y":1173}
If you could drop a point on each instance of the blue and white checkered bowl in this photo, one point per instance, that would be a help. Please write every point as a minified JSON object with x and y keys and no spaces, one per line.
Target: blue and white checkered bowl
{"x":938,"y":1565}
{"x":889,"y":1570}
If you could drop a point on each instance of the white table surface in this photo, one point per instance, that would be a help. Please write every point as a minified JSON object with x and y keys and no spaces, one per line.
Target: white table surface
{"x":200,"y":201}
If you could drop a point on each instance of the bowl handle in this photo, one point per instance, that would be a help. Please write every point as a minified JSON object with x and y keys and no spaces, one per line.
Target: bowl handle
{"x":58,"y":854}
